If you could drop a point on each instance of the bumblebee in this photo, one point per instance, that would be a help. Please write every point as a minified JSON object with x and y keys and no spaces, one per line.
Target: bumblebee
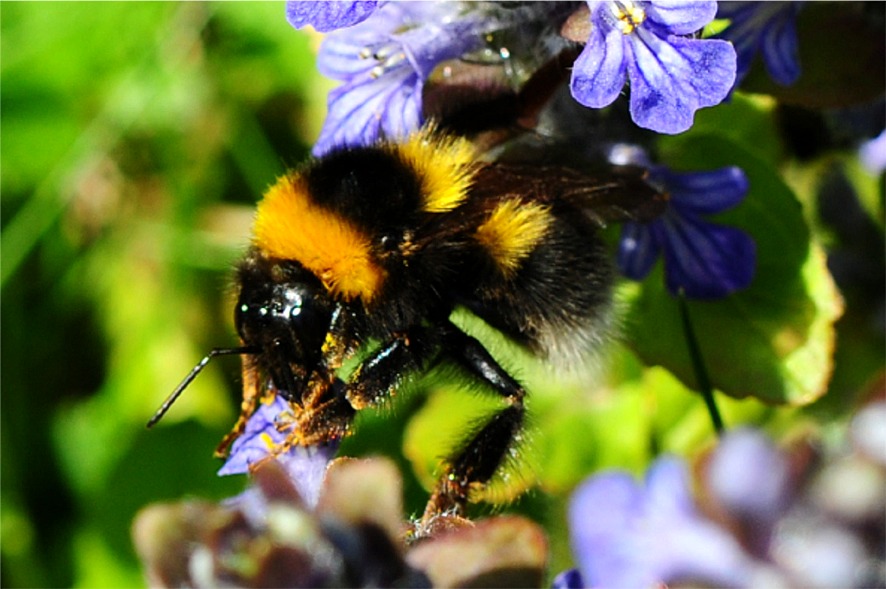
{"x":368,"y":251}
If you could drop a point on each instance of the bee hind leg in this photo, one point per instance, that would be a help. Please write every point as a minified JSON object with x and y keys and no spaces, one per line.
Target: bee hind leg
{"x":475,"y":463}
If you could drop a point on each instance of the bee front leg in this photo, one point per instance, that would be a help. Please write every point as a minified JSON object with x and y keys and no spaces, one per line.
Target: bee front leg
{"x":251,"y":395}
{"x":330,"y":404}
{"x":377,"y":377}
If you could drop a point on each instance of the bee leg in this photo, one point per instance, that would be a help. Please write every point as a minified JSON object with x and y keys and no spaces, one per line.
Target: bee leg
{"x":328,"y":410}
{"x":251,"y":396}
{"x":476,"y":462}
{"x":326,"y":416}
{"x":377,"y":376}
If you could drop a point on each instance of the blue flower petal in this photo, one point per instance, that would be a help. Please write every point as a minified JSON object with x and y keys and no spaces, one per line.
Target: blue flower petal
{"x":606,"y":540}
{"x":257,"y":440}
{"x":702,"y":259}
{"x":873,"y":154}
{"x":328,"y":16}
{"x":780,"y":50}
{"x":404,"y":111}
{"x":444,"y":35}
{"x":598,"y":75}
{"x":671,"y":79}
{"x":338,"y":56}
{"x":306,"y":466}
{"x":712,"y":64}
{"x":627,"y":536}
{"x":705,"y":193}
{"x":667,"y":489}
{"x":750,"y":478}
{"x":570,"y":579}
{"x":736,"y":11}
{"x":637,"y":251}
{"x":766,"y":26}
{"x":743,"y":32}
{"x":696,"y":552}
{"x":383,"y":64}
{"x":360,"y":112}
{"x":681,"y":17}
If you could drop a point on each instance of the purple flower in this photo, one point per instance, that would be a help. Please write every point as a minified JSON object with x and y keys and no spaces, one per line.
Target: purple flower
{"x":770,"y":530}
{"x":383,"y":63}
{"x":873,"y":154}
{"x":868,"y":433}
{"x":671,"y":73}
{"x":306,"y":466}
{"x":568,"y":579}
{"x":749,"y":477}
{"x":704,"y":260}
{"x":769,"y":27}
{"x":328,"y":16}
{"x":628,"y":535}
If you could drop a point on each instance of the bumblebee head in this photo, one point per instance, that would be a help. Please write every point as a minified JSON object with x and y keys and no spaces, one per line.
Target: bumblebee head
{"x":284,"y":313}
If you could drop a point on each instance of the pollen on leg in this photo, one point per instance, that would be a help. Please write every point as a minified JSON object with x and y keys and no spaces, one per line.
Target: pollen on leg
{"x":252,"y":393}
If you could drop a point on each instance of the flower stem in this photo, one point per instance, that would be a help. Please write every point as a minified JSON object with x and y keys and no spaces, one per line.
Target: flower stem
{"x":701,"y":372}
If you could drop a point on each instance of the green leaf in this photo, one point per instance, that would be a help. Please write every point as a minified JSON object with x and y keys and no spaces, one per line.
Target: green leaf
{"x":585,"y":429}
{"x":774,"y":340}
{"x":758,"y":131}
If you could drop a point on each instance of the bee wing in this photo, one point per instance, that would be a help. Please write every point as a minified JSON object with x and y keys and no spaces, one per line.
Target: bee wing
{"x":617,"y":194}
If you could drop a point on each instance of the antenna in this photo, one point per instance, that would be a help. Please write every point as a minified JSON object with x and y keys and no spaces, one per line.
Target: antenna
{"x":174,"y":395}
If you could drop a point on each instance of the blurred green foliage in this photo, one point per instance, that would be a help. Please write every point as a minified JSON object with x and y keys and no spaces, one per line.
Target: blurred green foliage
{"x":136,"y":138}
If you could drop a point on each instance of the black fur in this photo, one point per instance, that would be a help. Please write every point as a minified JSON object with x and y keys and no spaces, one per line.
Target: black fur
{"x":432,"y":262}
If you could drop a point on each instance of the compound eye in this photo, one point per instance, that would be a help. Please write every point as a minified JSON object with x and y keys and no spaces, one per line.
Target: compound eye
{"x":288,"y":304}
{"x":283,"y":310}
{"x":248,"y":318}
{"x":307,"y":310}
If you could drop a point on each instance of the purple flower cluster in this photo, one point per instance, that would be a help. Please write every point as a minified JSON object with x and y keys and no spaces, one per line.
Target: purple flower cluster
{"x":628,"y":535}
{"x":383,"y":54}
{"x":382,"y":62}
{"x":762,"y":522}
